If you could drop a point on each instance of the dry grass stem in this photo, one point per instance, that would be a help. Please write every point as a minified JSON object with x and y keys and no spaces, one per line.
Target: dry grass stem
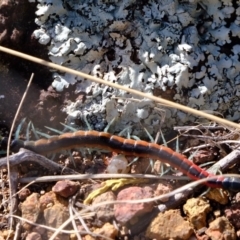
{"x":114,"y":85}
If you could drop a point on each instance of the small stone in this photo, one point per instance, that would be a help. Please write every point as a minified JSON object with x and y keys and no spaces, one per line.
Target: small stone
{"x":33,"y":236}
{"x":169,"y":225}
{"x":23,"y":194}
{"x":4,"y":234}
{"x":107,"y":230}
{"x":237,"y":197}
{"x":47,"y":200}
{"x":233,"y":214}
{"x":105,"y":213}
{"x":66,"y":188}
{"x":217,"y":213}
{"x":126,"y":212}
{"x":203,"y":156}
{"x":40,"y":230}
{"x":55,"y":212}
{"x":30,"y":210}
{"x":221,"y":228}
{"x":161,"y":190}
{"x":196,"y":210}
{"x":218,"y":195}
{"x":54,"y":217}
{"x":238,"y":234}
{"x":50,"y":198}
{"x":117,"y":164}
{"x":141,"y":166}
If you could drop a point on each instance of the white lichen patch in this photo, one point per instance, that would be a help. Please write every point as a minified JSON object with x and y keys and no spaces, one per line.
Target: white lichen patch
{"x":189,"y":48}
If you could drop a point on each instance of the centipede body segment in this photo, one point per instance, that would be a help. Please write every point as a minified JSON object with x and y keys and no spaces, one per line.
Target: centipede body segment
{"x":128,"y":147}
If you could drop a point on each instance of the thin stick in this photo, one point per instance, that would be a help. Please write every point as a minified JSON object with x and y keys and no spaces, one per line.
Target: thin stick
{"x":114,"y":85}
{"x":9,"y":141}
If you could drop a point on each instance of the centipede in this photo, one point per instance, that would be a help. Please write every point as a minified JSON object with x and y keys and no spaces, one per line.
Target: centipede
{"x":128,"y":147}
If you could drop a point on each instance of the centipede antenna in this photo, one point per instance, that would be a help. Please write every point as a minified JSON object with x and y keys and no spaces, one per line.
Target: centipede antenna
{"x":72,"y":129}
{"x":54,"y":130}
{"x":17,"y":133}
{"x":35,"y":132}
{"x":109,"y":125}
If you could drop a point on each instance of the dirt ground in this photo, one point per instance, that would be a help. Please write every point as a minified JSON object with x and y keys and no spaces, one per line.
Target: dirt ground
{"x":197,"y":214}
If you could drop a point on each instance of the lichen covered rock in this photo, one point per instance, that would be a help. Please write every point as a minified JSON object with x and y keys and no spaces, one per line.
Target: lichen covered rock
{"x":189,"y":48}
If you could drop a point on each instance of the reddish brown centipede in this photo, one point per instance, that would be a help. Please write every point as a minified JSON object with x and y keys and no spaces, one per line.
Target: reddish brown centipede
{"x":128,"y":147}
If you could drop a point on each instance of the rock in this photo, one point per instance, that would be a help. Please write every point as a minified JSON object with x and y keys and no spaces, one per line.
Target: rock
{"x":218,"y":195}
{"x":203,"y":156}
{"x":54,"y":217}
{"x":50,"y":198}
{"x":106,"y":212}
{"x":4,"y":234}
{"x":40,"y":230}
{"x":140,"y":166}
{"x":169,"y":225}
{"x":23,"y":194}
{"x":66,"y":188}
{"x":33,"y":236}
{"x":10,"y":14}
{"x":196,"y":210}
{"x":233,"y":214}
{"x":221,"y":228}
{"x":107,"y":230}
{"x":30,"y":210}
{"x":55,"y":212}
{"x":126,"y":212}
{"x":162,"y":189}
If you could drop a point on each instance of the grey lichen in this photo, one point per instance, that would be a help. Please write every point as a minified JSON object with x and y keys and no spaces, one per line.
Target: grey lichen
{"x":188,"y":47}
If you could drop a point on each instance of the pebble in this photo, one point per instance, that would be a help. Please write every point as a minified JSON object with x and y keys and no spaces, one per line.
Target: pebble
{"x":222,"y":229}
{"x":23,"y":194}
{"x":233,"y":214}
{"x":107,"y":230}
{"x":162,"y":189}
{"x":169,"y":225}
{"x":55,"y":212}
{"x":66,"y":188}
{"x":196,"y":210}
{"x":126,"y":212}
{"x":30,"y":210}
{"x":105,"y":213}
{"x":33,"y":236}
{"x":218,"y":195}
